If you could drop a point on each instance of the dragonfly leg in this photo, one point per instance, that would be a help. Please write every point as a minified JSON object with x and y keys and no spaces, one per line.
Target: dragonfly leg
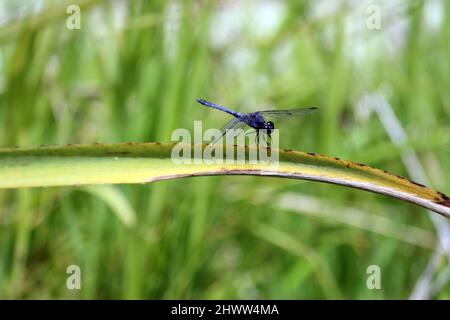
{"x":249,"y":133}
{"x":257,"y":137}
{"x":264,"y":137}
{"x":268,"y":140}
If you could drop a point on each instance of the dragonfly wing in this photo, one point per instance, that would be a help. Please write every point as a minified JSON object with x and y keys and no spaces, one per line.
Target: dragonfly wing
{"x":288,"y":113}
{"x":234,"y":124}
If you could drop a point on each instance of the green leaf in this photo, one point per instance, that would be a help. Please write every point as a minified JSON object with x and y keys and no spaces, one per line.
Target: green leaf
{"x":76,"y":165}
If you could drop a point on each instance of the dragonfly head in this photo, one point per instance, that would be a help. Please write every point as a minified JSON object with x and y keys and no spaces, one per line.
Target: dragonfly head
{"x":269,"y":126}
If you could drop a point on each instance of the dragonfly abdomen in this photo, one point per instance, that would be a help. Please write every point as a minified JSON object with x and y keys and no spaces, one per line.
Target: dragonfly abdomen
{"x":221,"y":108}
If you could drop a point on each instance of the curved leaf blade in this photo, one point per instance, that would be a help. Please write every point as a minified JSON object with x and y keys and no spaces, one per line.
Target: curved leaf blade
{"x":148,"y":162}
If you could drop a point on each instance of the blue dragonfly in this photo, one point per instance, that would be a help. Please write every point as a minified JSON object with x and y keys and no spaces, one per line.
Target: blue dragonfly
{"x":256,"y":120}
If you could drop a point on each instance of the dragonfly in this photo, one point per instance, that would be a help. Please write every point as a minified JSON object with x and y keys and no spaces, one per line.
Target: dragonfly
{"x":259,"y":120}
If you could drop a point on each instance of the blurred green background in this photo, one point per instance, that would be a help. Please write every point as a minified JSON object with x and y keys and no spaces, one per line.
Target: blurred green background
{"x":132,"y":73}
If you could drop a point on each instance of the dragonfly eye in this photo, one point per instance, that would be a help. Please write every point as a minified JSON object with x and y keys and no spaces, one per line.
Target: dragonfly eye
{"x":270,"y":125}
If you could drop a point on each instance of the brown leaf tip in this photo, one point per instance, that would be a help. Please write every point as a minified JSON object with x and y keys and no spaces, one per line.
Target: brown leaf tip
{"x":446,"y":201}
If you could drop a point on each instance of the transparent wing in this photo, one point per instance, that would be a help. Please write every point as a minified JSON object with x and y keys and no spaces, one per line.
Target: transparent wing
{"x":234,"y":124}
{"x":288,"y":113}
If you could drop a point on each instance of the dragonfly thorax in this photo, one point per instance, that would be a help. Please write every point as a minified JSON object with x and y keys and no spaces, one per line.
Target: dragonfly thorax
{"x":254,"y":120}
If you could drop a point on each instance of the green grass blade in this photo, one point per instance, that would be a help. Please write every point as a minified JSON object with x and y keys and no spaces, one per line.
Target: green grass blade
{"x":148,"y":162}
